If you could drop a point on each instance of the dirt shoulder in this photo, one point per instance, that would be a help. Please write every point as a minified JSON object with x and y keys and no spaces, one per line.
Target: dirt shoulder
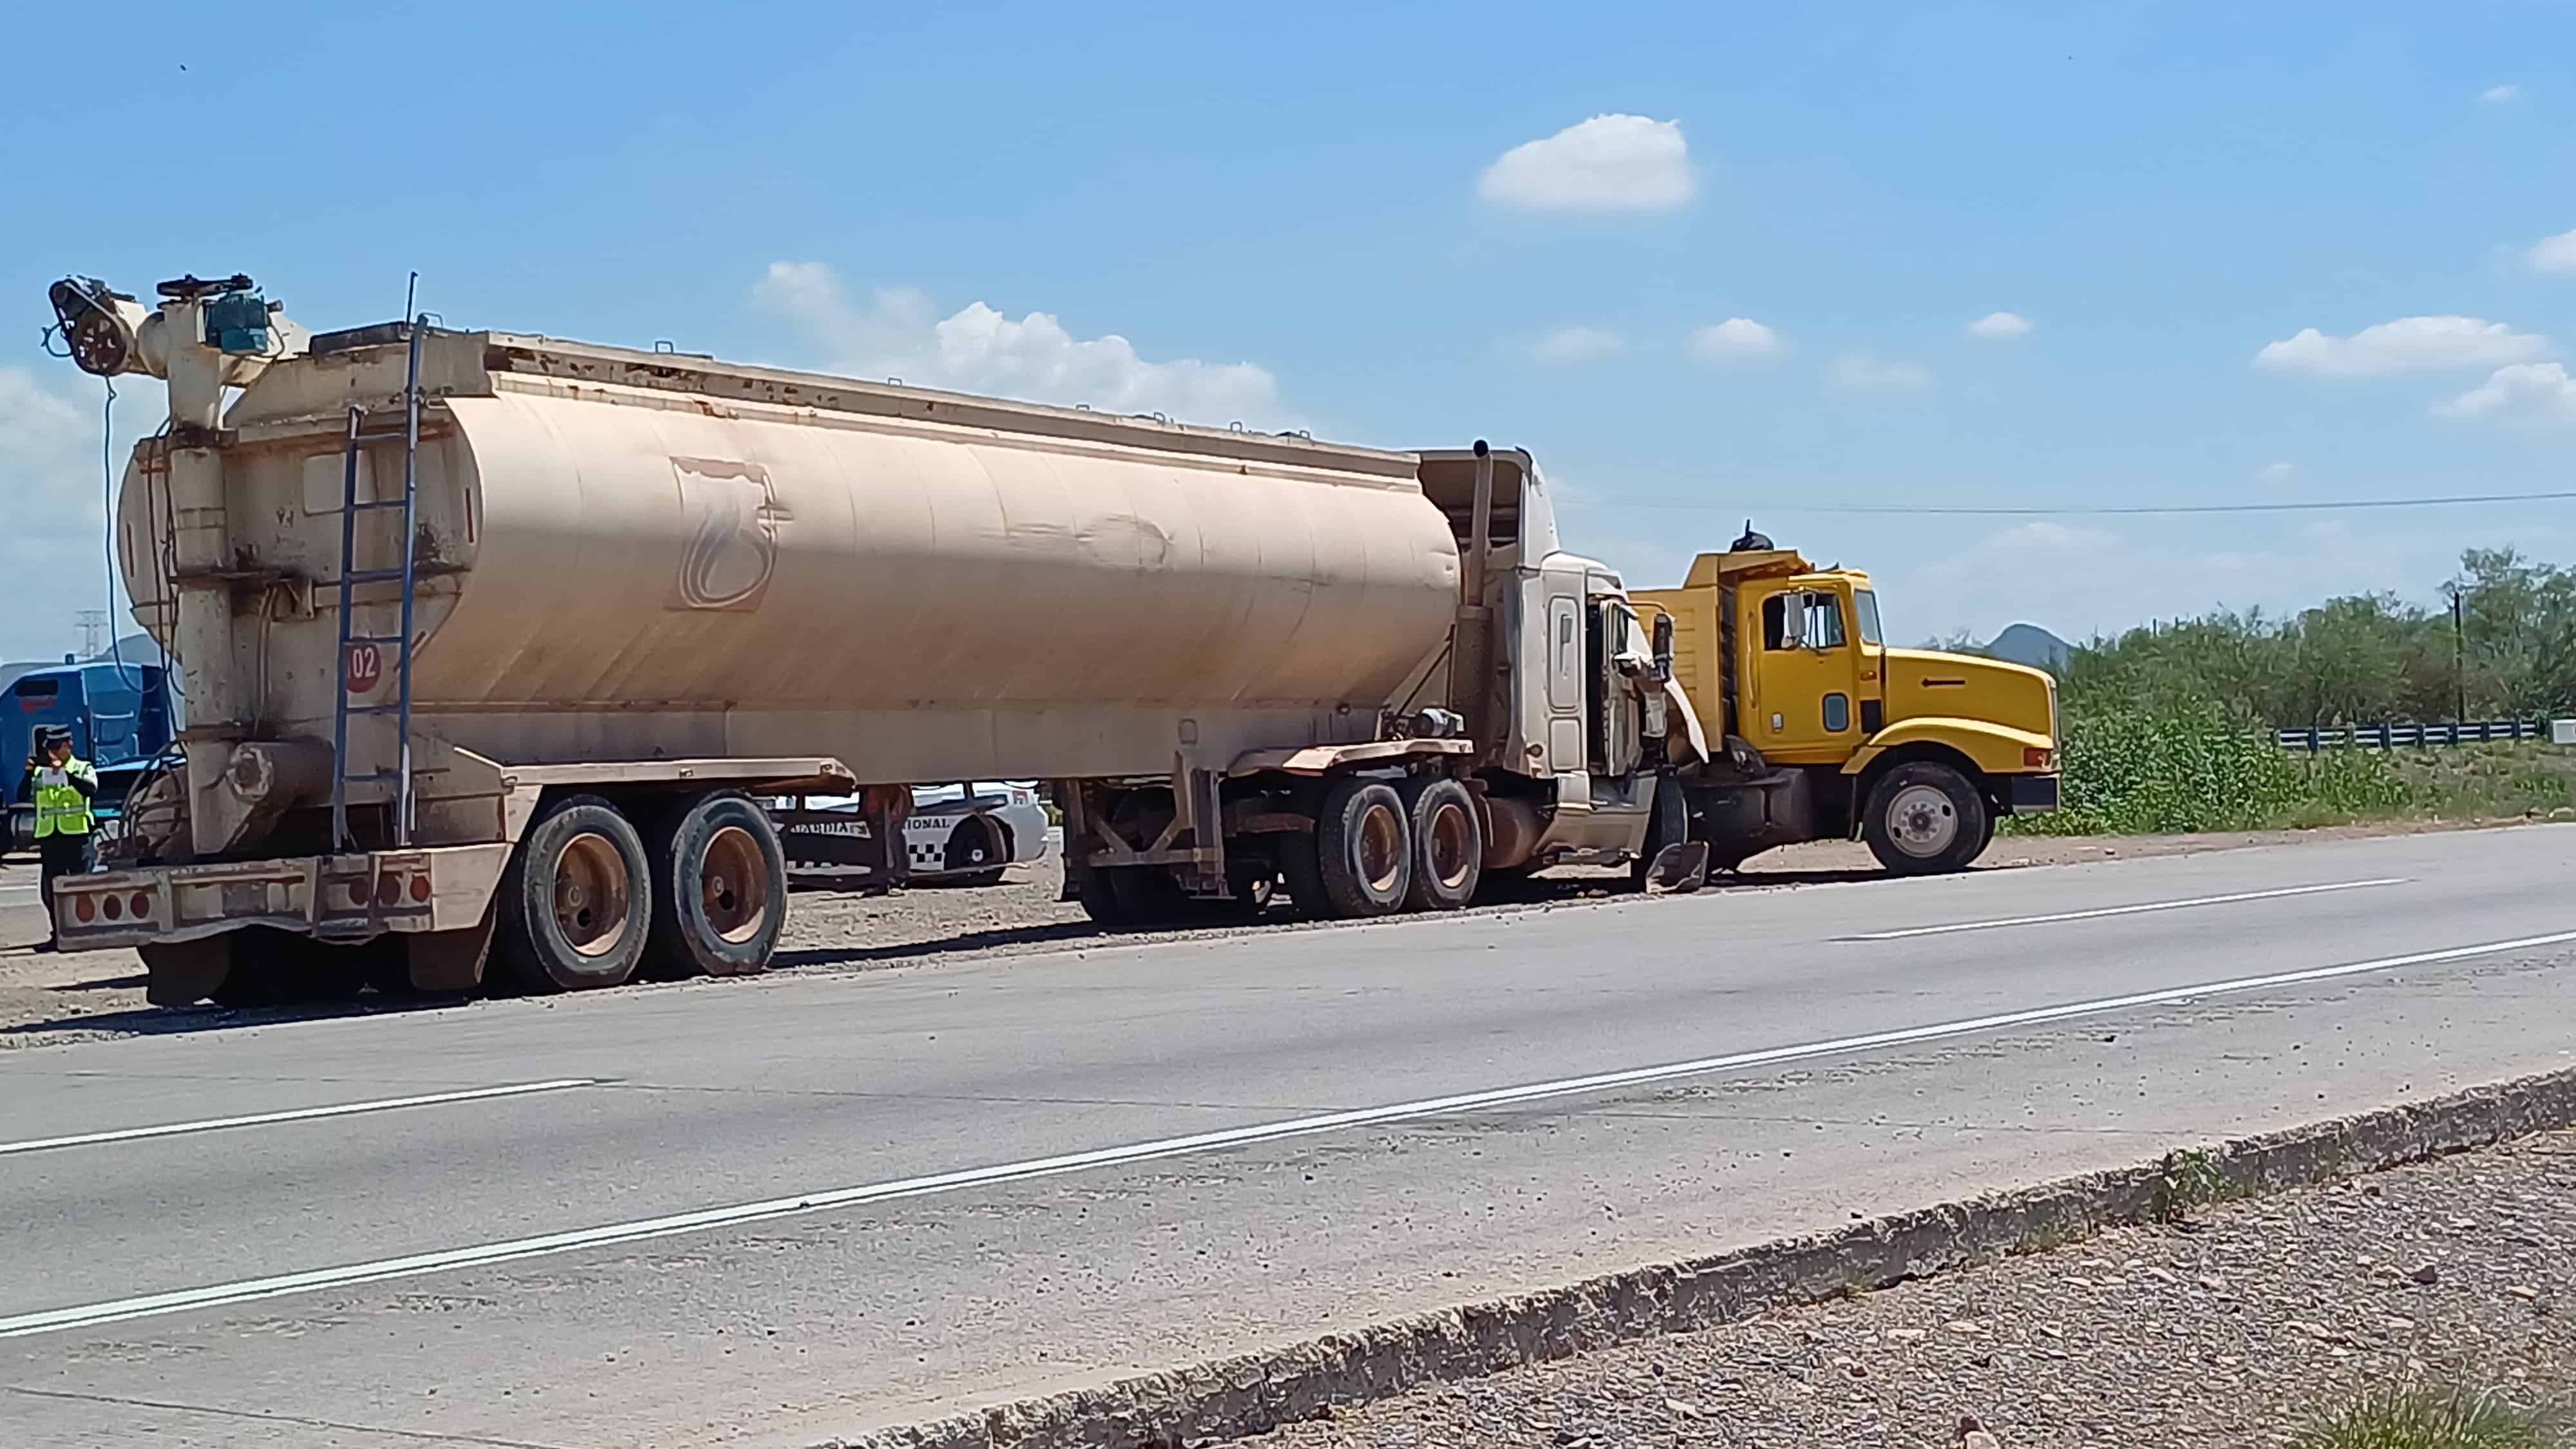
{"x":2223,"y":1330}
{"x":47,"y":1000}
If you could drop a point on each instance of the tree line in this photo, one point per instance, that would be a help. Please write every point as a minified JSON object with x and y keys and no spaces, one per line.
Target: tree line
{"x":2509,"y":653}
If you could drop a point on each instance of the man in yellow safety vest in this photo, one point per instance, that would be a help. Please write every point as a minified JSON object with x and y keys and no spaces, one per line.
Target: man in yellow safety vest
{"x":60,"y":787}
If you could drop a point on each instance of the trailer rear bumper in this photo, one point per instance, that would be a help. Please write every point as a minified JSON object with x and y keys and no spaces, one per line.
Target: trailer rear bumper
{"x":335,"y":897}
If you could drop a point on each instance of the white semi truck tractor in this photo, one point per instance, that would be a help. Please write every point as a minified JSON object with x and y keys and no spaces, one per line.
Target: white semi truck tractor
{"x":493,"y":644}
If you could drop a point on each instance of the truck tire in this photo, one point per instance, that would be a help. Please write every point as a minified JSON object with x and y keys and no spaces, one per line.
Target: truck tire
{"x":1448,"y":843}
{"x":1924,"y":818}
{"x":1301,"y":874}
{"x":719,"y":889}
{"x":576,"y":900}
{"x":1363,"y":849}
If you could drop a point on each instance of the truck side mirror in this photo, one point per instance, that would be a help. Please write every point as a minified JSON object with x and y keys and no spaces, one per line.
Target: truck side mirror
{"x":1662,"y":647}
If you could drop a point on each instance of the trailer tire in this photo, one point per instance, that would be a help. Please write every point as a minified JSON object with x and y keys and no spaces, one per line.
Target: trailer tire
{"x":576,"y":900}
{"x":719,"y":888}
{"x":1448,"y":843}
{"x":1099,"y":898}
{"x":1149,"y":895}
{"x":1924,"y":818}
{"x":1301,"y":873}
{"x":182,"y":973}
{"x":1363,"y":849}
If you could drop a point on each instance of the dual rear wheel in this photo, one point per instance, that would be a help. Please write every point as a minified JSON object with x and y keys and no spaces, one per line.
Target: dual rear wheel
{"x":1383,"y":846}
{"x":590,"y":900}
{"x":1379,"y":846}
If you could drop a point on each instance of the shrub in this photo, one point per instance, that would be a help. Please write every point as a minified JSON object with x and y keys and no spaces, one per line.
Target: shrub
{"x":2420,"y":1416}
{"x":2189,"y":768}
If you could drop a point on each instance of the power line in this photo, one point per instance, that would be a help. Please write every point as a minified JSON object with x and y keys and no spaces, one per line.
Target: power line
{"x":1927,"y":510}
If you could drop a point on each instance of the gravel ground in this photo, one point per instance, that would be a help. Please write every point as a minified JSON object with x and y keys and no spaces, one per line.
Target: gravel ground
{"x":47,"y":1000}
{"x":2222,"y":1330}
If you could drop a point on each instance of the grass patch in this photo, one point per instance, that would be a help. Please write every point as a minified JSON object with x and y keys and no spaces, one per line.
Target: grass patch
{"x":2133,"y":772}
{"x":2421,"y":1416}
{"x":2491,"y":782}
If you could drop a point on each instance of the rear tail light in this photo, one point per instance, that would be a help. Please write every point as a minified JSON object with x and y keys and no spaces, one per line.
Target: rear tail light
{"x":86,"y":908}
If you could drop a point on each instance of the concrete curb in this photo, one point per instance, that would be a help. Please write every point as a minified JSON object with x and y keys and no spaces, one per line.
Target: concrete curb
{"x":1254,"y":1392}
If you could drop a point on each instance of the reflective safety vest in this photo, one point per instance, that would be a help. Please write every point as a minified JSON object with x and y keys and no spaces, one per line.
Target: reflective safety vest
{"x":61,"y":809}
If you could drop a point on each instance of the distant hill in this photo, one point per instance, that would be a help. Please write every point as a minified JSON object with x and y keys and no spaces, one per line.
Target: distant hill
{"x":2032,"y":645}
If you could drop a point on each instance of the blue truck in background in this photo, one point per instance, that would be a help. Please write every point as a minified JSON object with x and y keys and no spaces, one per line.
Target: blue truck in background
{"x":122,"y":718}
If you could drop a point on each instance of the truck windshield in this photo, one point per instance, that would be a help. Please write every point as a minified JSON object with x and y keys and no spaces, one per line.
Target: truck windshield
{"x":1865,"y":604}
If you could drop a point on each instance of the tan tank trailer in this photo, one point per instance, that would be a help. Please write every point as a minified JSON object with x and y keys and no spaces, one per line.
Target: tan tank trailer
{"x":495,"y":645}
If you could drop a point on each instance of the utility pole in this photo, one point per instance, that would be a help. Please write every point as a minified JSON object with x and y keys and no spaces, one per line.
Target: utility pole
{"x":2460,"y":654}
{"x":92,"y":624}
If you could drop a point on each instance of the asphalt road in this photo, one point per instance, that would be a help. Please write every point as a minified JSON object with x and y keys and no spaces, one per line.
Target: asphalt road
{"x":773,"y":1212}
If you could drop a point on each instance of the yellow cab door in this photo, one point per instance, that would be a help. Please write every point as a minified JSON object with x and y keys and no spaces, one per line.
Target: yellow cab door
{"x":1810,"y":673}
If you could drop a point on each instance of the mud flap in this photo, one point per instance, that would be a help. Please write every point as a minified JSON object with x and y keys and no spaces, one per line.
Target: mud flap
{"x":451,"y":961}
{"x":1678,"y":869}
{"x":179,"y":973}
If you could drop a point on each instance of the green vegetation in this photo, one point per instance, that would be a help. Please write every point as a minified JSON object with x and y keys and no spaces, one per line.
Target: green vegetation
{"x":2362,"y":659}
{"x":2167,"y":728}
{"x":2420,"y":1416}
{"x":2129,"y":771}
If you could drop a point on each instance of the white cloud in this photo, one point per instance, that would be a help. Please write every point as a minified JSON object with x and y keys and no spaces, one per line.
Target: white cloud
{"x":2553,"y":253}
{"x":2540,"y":391}
{"x":2405,"y":345}
{"x":1576,"y":344}
{"x":2273,"y":475}
{"x":2044,"y":536}
{"x":978,"y":349}
{"x":1735,"y":337}
{"x":1606,"y":164}
{"x":1870,"y":373}
{"x":1999,"y":325}
{"x":2500,"y":95}
{"x":53,"y":554}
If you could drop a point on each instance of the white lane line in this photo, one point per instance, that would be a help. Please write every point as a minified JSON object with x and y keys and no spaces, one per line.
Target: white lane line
{"x":297,"y":1114}
{"x":89,"y":1315}
{"x":2181,"y":905}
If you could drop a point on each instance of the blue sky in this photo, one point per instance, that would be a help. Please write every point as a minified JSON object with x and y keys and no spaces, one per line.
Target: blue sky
{"x":1306,"y":216}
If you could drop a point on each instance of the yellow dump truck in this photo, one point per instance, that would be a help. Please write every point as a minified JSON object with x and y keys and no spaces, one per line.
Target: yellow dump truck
{"x":1829,"y":732}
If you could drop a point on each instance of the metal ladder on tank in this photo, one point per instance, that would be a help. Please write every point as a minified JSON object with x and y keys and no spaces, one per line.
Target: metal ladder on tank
{"x":351,"y":576}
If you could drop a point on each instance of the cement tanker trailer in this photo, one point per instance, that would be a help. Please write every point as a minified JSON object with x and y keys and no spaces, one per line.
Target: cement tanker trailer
{"x":492,"y":643}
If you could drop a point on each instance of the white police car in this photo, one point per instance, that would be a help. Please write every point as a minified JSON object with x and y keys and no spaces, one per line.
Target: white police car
{"x":964,"y":834}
